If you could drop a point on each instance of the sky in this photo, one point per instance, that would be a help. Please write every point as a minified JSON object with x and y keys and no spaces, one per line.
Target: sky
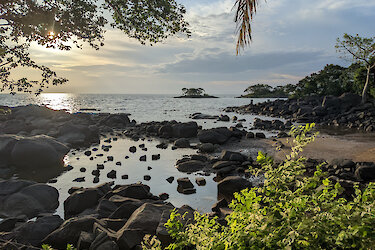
{"x":291,"y":39}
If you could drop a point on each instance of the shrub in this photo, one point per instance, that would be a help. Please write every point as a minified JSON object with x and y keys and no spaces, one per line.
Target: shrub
{"x":289,"y":211}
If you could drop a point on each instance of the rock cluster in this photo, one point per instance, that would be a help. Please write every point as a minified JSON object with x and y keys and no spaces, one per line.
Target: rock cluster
{"x":98,"y":218}
{"x":344,"y":111}
{"x":74,"y":130}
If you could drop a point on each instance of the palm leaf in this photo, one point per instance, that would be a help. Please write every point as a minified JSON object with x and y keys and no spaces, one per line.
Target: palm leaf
{"x":245,"y":10}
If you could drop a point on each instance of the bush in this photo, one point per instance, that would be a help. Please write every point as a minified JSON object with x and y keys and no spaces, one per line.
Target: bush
{"x":289,"y":211}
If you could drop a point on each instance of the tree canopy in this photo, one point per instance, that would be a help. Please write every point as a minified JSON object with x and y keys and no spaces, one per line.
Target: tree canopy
{"x":62,"y":24}
{"x":360,"y":50}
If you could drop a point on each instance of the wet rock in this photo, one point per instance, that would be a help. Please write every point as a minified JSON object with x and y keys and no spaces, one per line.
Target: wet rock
{"x":250,"y":135}
{"x":118,"y":163}
{"x":125,"y":177}
{"x":170,"y":179}
{"x":99,"y":166}
{"x":109,"y":158}
{"x":206,"y":147}
{"x":162,"y":145}
{"x":96,"y":179}
{"x":185,"y":186}
{"x":232,"y":156}
{"x":82,"y":170}
{"x":230,"y":185}
{"x":156,"y":157}
{"x":80,"y":200}
{"x":112,"y":174}
{"x":190,"y":166}
{"x":79,"y":179}
{"x":135,"y":191}
{"x":222,"y":164}
{"x":182,"y":143}
{"x":215,"y":135}
{"x":96,"y":172}
{"x":147,"y":177}
{"x":164,"y":196}
{"x":133,"y":149}
{"x":87,"y":153}
{"x":143,"y":158}
{"x":224,"y":118}
{"x":200,"y":181}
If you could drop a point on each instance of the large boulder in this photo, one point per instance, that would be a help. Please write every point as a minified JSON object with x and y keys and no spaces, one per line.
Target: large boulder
{"x":232,"y":156}
{"x":33,"y":232}
{"x":79,"y":201}
{"x":230,"y":185}
{"x":35,"y":152}
{"x":78,"y":134}
{"x":70,"y":231}
{"x":135,"y":191}
{"x":29,"y":201}
{"x":116,"y":121}
{"x":190,"y":166}
{"x":215,"y":135}
{"x":185,"y":130}
{"x":144,"y":220}
{"x":365,"y":172}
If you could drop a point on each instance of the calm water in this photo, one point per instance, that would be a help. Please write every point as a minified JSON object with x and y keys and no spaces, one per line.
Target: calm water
{"x":143,"y":108}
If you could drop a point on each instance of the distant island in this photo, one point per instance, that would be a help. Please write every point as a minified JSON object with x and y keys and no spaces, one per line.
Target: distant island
{"x":266,"y":91}
{"x":194,"y":93}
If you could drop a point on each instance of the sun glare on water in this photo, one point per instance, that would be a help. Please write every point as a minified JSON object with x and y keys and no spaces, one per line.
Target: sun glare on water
{"x":57,"y":101}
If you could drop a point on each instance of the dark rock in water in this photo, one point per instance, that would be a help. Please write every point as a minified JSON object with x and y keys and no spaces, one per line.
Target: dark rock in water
{"x":149,"y":168}
{"x":224,"y":118}
{"x":200,"y":181}
{"x":133,"y":149}
{"x":222,"y":164}
{"x":190,"y":166}
{"x":230,"y":185}
{"x":170,"y":179}
{"x":125,"y":177}
{"x":112,"y":174}
{"x":100,"y":166}
{"x":142,"y":145}
{"x":96,"y":179}
{"x":215,"y":135}
{"x":164,"y":196}
{"x":365,"y":171}
{"x":118,"y":163}
{"x":88,"y":153}
{"x":70,"y":231}
{"x":232,"y":156}
{"x":206,"y":147}
{"x":73,"y":189}
{"x":22,"y":198}
{"x":162,"y":145}
{"x":110,"y":158}
{"x":79,"y":179}
{"x":147,"y":177}
{"x":143,"y":158}
{"x":155,"y":157}
{"x":96,"y":172}
{"x":173,"y":147}
{"x":52,"y":181}
{"x":33,"y":232}
{"x":260,"y":135}
{"x":82,"y":170}
{"x":116,"y":121}
{"x":200,"y":116}
{"x":127,"y":157}
{"x":182,"y":143}
{"x":185,"y":186}
{"x":135,"y":191}
{"x":185,"y":130}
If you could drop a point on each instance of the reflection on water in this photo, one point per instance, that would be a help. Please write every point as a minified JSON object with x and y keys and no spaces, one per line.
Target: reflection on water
{"x":160,"y":170}
{"x":57,"y":101}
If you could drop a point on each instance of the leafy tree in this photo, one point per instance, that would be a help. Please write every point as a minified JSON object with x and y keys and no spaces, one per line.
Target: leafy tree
{"x":62,"y":24}
{"x":267,"y":91}
{"x":360,"y":50}
{"x":193,"y":91}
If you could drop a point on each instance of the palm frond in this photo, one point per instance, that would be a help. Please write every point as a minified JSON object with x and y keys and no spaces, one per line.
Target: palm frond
{"x":245,"y":10}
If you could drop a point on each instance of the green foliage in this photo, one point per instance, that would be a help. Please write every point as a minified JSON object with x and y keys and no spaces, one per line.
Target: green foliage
{"x":62,"y":24}
{"x":267,"y":91}
{"x":289,"y":211}
{"x":193,"y":91}
{"x":48,"y":247}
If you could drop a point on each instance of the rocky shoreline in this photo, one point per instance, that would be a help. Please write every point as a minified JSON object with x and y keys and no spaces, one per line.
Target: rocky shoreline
{"x":344,"y":111}
{"x":107,"y":216}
